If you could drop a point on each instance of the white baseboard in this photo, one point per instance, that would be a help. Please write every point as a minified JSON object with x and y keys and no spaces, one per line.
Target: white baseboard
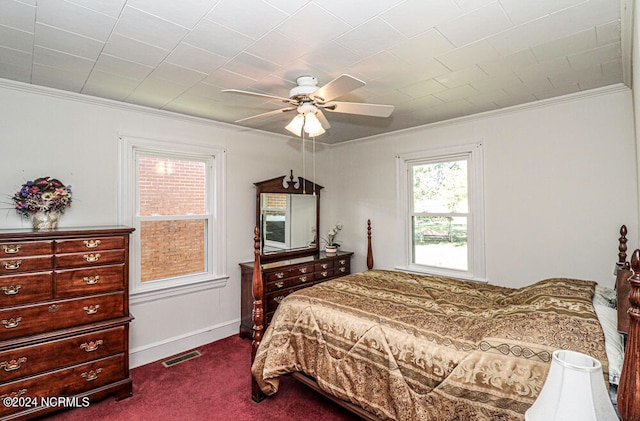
{"x":159,"y":350}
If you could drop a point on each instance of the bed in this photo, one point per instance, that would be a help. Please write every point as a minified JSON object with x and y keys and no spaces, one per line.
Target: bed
{"x":394,"y":345}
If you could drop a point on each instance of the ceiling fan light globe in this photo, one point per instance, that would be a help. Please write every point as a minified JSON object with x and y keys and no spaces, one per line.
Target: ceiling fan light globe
{"x":312,"y":125}
{"x":295,"y":126}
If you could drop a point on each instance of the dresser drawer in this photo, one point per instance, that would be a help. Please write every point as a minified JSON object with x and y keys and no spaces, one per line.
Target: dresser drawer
{"x":25,"y":248}
{"x":289,"y":282}
{"x":323,"y":274}
{"x":33,"y":319}
{"x":25,"y":264}
{"x":87,"y":281}
{"x":25,"y":288}
{"x":30,"y":360}
{"x":89,"y":258}
{"x":89,"y":244}
{"x":65,"y":382}
{"x":288,"y":272}
{"x":319,"y":267}
{"x":274,"y":299}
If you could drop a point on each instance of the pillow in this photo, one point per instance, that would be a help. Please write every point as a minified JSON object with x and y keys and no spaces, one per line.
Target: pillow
{"x":605,"y":296}
{"x":613,"y":340}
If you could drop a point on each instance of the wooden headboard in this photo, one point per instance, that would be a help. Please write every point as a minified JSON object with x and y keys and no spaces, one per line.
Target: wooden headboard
{"x":628,"y":294}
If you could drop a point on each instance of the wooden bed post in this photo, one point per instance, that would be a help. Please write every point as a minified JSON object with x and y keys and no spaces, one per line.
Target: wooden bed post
{"x":629,"y":388}
{"x":622,"y":248}
{"x":258,"y":311}
{"x":369,"y":249}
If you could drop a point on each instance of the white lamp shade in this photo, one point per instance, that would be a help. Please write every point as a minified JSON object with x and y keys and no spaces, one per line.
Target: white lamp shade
{"x":574,"y":390}
{"x":312,"y":125}
{"x":295,"y":126}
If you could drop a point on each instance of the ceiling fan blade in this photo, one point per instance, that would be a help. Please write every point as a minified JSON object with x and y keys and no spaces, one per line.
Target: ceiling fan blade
{"x":280,"y":98}
{"x":267,"y":114}
{"x":374,"y":110}
{"x":337,"y":87}
{"x":323,"y":120}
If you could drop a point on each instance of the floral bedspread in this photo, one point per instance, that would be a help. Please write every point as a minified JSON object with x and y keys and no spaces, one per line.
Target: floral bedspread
{"x":414,"y":347}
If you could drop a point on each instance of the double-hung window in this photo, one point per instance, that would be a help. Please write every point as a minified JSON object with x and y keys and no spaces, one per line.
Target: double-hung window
{"x":442,"y":206}
{"x":172,"y":196}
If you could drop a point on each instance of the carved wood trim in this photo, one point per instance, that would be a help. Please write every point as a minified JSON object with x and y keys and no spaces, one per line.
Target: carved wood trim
{"x":258,"y":311}
{"x":369,"y":249}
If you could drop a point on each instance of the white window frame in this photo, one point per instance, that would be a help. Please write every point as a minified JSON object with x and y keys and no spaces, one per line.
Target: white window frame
{"x":215,"y":274}
{"x":476,"y":267}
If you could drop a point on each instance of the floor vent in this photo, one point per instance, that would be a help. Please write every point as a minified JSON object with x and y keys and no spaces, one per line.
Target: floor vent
{"x":181,"y":358}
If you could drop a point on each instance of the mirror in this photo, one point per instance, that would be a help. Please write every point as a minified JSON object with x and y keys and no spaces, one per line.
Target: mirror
{"x":287,"y":212}
{"x":288,"y":221}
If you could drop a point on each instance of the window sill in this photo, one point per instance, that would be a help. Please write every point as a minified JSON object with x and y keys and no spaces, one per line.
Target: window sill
{"x":434,"y":272}
{"x":169,"y":291}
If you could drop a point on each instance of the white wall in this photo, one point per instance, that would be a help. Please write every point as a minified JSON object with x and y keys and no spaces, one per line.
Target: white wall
{"x":560,"y":179}
{"x":44,"y":132}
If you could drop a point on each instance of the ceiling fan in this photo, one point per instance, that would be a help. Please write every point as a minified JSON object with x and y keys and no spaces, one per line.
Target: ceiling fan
{"x":309,"y":101}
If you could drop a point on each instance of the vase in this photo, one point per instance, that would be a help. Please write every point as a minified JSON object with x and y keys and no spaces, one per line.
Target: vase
{"x":45,"y":220}
{"x":331,"y":249}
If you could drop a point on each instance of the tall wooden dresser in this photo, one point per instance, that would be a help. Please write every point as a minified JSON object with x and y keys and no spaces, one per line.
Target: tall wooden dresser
{"x":64,"y":319}
{"x":282,"y":277}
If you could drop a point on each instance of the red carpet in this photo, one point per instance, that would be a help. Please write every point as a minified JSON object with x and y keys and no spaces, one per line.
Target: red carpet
{"x":215,"y":386}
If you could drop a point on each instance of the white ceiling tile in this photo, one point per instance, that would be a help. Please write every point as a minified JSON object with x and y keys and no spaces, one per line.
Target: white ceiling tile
{"x":73,"y":18}
{"x":111,"y":8}
{"x":288,"y":6}
{"x":527,"y":35}
{"x":217,"y":39}
{"x":423,"y":47}
{"x":524,"y":11}
{"x":317,"y":25}
{"x":253,"y":18}
{"x":423,"y":88}
{"x":456,"y":93}
{"x":57,"y":78}
{"x":462,"y":77}
{"x":228,"y":80}
{"x":580,"y":41}
{"x":472,"y":4}
{"x":331,"y":57}
{"x":377,"y":66}
{"x":611,"y":74}
{"x":154,"y":92}
{"x":587,"y":14}
{"x":507,"y":64}
{"x":471,"y":54}
{"x":67,"y":42}
{"x":542,"y":70}
{"x":299,"y":68}
{"x":413,"y":17}
{"x":19,"y":59}
{"x":356,"y":12}
{"x":184,"y":12}
{"x":475,"y":25}
{"x":16,"y":39}
{"x":63,"y":61}
{"x":608,"y":33}
{"x":573,"y":77}
{"x":595,"y":56}
{"x":191,"y":57}
{"x":178,"y":75}
{"x":370,"y":38}
{"x":17,"y":15}
{"x":149,"y":29}
{"x":121,"y":67}
{"x":107,"y":85}
{"x":14,"y":71}
{"x":525,"y":90}
{"x":250,"y":66}
{"x":277,"y":48}
{"x":495,"y":84}
{"x":134,"y":50}
{"x":555,"y":92}
{"x":511,"y":100}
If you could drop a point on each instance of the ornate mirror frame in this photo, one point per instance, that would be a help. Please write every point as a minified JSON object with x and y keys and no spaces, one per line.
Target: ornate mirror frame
{"x":287,"y":184}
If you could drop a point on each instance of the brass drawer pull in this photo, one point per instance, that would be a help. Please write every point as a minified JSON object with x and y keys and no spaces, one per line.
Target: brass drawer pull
{"x":279,"y":299}
{"x":12,"y":264}
{"x":279,"y":284}
{"x":11,"y":323}
{"x":11,"y":248}
{"x":91,"y":280}
{"x":53,"y":308}
{"x":324,"y":274}
{"x":303,"y":279}
{"x":91,"y":257}
{"x":343,"y":270}
{"x":91,"y":375}
{"x":303,"y":270}
{"x":11,"y":289}
{"x":343,"y":262}
{"x":91,"y":345}
{"x":325,"y":265}
{"x":91,"y":309}
{"x":279,"y":275}
{"x":13,"y":365}
{"x":91,"y":244}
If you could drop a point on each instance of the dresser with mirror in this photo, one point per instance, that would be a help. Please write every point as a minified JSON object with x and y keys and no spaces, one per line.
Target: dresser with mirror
{"x":288,"y":217}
